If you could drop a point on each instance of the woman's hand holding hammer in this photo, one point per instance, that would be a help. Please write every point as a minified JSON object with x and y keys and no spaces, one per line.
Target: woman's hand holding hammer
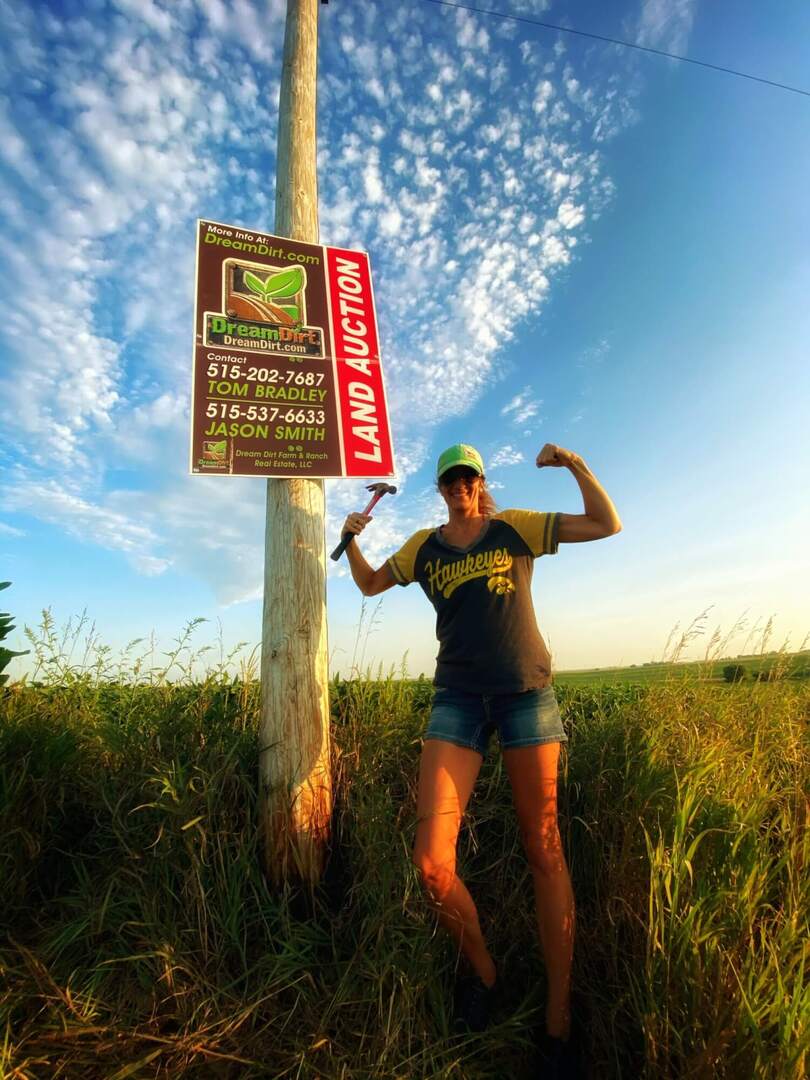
{"x":355,"y":523}
{"x":369,"y":581}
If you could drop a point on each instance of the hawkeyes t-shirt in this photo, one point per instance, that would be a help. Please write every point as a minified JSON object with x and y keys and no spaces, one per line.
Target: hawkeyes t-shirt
{"x":485,"y":622}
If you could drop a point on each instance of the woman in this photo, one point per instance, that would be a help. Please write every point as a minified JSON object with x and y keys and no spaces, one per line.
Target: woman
{"x":493,"y":673}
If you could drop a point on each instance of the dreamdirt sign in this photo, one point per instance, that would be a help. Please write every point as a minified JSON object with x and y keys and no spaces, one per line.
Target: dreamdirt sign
{"x":287,"y":378}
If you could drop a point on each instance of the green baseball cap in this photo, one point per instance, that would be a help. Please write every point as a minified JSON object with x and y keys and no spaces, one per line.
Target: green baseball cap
{"x":460,"y":454}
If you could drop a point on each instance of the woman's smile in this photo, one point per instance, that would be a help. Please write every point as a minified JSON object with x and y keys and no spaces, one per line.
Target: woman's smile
{"x":461,"y":487}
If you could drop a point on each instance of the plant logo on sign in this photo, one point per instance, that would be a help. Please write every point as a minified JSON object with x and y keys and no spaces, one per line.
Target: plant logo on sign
{"x":261,"y":298}
{"x":215,"y":451}
{"x":263,"y":307}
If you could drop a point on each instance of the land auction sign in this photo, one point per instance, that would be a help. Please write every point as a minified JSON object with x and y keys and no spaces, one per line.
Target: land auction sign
{"x":287,"y":378}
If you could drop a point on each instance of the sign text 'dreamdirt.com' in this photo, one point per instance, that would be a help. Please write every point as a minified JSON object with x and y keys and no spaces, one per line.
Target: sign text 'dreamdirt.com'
{"x":287,"y":378}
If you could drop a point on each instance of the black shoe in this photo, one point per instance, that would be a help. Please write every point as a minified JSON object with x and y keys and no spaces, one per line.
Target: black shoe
{"x":472,"y":1004}
{"x":557,"y":1059}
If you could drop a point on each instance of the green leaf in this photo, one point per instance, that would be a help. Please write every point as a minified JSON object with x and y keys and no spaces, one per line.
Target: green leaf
{"x":219,"y":447}
{"x":292,"y":310}
{"x":253,"y":283}
{"x":286,"y":283}
{"x":6,"y":655}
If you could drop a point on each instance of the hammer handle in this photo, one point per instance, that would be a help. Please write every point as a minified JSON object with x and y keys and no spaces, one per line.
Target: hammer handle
{"x":348,"y":537}
{"x":373,"y":502}
{"x":344,"y":543}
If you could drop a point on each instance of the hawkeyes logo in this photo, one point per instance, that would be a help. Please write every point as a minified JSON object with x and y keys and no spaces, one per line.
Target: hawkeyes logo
{"x":500,"y":585}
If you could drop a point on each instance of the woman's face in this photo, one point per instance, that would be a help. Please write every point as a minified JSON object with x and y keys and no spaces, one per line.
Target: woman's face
{"x":459,"y":487}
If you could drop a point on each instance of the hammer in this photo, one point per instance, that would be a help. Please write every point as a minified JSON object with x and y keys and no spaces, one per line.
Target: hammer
{"x":379,"y":490}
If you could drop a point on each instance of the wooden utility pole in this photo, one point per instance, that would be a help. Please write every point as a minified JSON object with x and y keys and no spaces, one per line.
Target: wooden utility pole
{"x":294,"y":753}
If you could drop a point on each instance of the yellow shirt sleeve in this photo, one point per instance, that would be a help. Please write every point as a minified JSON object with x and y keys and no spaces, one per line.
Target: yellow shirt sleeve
{"x":538,"y":531}
{"x":404,"y":561}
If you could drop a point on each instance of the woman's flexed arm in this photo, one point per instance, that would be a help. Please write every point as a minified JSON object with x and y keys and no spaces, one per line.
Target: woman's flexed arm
{"x":600,"y":518}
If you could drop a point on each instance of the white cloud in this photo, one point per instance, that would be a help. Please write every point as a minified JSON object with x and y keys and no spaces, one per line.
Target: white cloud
{"x":377,"y":90}
{"x":542,"y":95}
{"x":142,"y":433}
{"x":156,"y":18}
{"x":471,"y":33}
{"x":390,"y":221}
{"x":665,"y":24}
{"x":570,"y":215}
{"x":216,"y":13}
{"x":505,"y":455}
{"x":372,"y":179}
{"x":110,"y":528}
{"x":555,"y":252}
{"x":138,"y":116}
{"x":458,"y":201}
{"x":14,"y":150}
{"x":530,"y":7}
{"x":522,"y":407}
{"x":10,"y":530}
{"x":594,"y":355}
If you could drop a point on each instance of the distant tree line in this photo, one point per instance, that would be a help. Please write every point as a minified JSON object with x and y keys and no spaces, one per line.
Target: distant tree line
{"x":733,"y":673}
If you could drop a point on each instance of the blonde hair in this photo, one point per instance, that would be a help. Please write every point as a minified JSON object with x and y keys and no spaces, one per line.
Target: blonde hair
{"x":486,"y":504}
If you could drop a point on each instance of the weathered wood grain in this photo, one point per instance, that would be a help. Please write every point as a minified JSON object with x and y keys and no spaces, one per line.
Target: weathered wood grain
{"x":294,"y":758}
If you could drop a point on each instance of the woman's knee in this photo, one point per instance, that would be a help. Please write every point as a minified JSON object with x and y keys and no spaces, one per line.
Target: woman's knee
{"x":436,"y":873}
{"x":544,"y":849}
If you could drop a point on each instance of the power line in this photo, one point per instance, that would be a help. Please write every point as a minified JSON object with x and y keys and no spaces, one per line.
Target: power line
{"x":624,"y":44}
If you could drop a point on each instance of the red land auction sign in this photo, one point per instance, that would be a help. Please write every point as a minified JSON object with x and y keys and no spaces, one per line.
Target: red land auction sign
{"x":287,"y":377}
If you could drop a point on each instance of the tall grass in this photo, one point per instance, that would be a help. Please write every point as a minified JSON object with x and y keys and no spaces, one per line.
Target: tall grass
{"x":140,"y":938}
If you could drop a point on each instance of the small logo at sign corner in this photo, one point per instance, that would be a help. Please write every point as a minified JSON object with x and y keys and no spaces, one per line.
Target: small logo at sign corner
{"x":215,"y":450}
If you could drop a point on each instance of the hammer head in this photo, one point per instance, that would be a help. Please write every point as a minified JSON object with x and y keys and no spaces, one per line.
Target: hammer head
{"x":382,"y":489}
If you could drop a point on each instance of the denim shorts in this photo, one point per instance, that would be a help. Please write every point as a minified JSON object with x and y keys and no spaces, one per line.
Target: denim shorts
{"x":530,"y":718}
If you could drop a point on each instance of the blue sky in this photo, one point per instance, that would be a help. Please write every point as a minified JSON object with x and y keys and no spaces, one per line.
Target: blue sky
{"x":571,"y":242}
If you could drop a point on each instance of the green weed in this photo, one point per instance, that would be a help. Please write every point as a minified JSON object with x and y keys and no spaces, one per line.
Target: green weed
{"x":140,"y":937}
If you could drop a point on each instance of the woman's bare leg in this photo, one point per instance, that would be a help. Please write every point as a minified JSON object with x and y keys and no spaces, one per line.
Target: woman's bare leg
{"x":533,"y":775}
{"x":447,"y":774}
